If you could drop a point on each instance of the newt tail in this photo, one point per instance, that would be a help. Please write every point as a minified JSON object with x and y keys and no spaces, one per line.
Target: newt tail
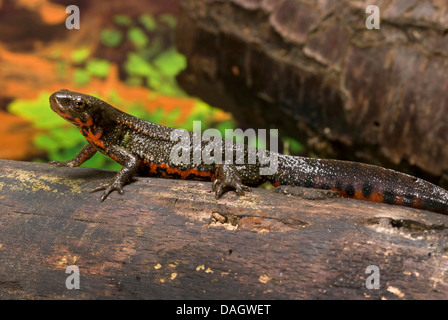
{"x":147,"y":148}
{"x":362,"y":182}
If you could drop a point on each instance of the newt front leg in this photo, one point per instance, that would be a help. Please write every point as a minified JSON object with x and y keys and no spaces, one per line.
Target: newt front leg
{"x":130,"y":167}
{"x":85,"y":154}
{"x":119,"y":154}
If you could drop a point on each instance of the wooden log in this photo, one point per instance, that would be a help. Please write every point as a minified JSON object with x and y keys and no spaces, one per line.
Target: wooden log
{"x":170,"y":239}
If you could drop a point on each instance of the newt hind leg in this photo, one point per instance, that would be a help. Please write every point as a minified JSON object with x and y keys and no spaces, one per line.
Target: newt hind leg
{"x":227,"y":178}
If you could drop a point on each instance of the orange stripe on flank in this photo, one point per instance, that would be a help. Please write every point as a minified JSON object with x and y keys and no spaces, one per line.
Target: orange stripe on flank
{"x":374,"y":196}
{"x":183,"y":173}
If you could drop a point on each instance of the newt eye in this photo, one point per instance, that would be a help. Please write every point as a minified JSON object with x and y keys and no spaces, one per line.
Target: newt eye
{"x":80,"y":103}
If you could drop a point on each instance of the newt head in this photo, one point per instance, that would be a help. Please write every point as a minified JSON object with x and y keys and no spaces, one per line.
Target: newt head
{"x":91,"y":115}
{"x":75,"y":107}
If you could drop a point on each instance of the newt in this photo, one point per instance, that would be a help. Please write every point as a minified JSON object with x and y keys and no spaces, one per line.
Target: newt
{"x":144,"y":148}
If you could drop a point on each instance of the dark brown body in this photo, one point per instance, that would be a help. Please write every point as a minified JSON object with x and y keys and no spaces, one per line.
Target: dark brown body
{"x":144,"y":147}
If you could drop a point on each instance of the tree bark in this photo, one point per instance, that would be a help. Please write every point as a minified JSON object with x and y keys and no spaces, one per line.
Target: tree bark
{"x":170,"y":239}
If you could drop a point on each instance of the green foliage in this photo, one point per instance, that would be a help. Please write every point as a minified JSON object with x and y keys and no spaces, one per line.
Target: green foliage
{"x":134,"y":81}
{"x":88,"y":67}
{"x":160,"y":74}
{"x":111,"y":37}
{"x":115,"y":99}
{"x":93,"y":68}
{"x":148,"y":21}
{"x":137,"y":66}
{"x":37,"y":112}
{"x":61,"y":68}
{"x":81,"y":77}
{"x":138,"y":37}
{"x":168,"y":19}
{"x":153,"y":63}
{"x":206,"y":115}
{"x":98,"y":68}
{"x":80,"y":55}
{"x":292,"y":146}
{"x":155,"y":47}
{"x":123,"y":20}
{"x":170,"y":62}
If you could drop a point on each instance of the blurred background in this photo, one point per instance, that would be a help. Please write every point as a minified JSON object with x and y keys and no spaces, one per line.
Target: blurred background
{"x":309,"y":68}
